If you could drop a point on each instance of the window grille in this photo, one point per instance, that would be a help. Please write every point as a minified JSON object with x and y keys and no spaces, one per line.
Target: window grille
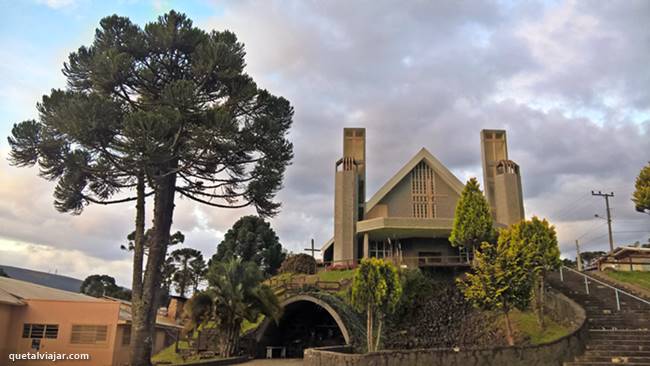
{"x":89,"y":334}
{"x":40,"y":330}
{"x":423,"y":191}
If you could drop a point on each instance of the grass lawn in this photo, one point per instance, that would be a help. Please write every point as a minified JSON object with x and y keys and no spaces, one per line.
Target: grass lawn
{"x":526,"y":324}
{"x":336,"y":275}
{"x":169,"y":355}
{"x":323,"y":275}
{"x":641,"y":279}
{"x":246,"y":325}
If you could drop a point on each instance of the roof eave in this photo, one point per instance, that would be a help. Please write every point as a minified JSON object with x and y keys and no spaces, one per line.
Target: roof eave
{"x":432,"y":161}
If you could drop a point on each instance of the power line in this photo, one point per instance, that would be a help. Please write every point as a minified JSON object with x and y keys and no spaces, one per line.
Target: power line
{"x":574,"y":208}
{"x":598,"y":223}
{"x":569,"y":207}
{"x":616,"y":232}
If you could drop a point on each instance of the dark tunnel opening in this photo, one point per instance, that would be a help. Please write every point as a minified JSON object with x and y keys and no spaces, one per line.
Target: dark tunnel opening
{"x":304,"y":324}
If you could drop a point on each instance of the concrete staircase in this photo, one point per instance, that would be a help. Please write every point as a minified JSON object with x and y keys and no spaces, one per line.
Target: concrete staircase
{"x":615,"y":337}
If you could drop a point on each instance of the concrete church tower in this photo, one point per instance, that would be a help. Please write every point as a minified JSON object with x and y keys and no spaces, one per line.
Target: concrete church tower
{"x":349,"y":193}
{"x":501,"y":178}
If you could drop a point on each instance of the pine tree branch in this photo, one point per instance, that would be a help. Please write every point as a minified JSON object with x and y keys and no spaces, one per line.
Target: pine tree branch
{"x":246,"y":204}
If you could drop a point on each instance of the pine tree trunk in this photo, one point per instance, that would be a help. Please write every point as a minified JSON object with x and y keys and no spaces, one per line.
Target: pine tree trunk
{"x":138,"y":330}
{"x":162,"y":221}
{"x":509,"y":337}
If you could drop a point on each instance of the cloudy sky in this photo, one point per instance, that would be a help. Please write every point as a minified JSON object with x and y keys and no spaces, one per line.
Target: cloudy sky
{"x":568,"y":80}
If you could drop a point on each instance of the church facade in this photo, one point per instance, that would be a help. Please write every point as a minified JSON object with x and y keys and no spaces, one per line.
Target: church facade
{"x":409,"y":219}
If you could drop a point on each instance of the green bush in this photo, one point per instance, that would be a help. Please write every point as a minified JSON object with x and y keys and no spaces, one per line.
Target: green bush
{"x":299,"y":263}
{"x":415,"y":287}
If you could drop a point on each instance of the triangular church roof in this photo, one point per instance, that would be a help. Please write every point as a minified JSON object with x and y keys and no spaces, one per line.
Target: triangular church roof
{"x":422,"y":155}
{"x":429,"y":159}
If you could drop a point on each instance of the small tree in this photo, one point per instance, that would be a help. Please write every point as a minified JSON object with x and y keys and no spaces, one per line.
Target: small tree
{"x":103,"y":285}
{"x":199,"y":270}
{"x":167,"y":271}
{"x":500,"y":280}
{"x":184,"y":277}
{"x":235,"y":293}
{"x":588,"y":257}
{"x":299,"y":263}
{"x":540,"y":241}
{"x":472,"y":219}
{"x":376,"y":289}
{"x":253,"y":240}
{"x":641,"y":195}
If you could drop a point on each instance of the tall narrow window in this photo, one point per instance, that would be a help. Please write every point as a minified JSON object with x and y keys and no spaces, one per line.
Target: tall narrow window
{"x":126,"y":335}
{"x":423,"y":191}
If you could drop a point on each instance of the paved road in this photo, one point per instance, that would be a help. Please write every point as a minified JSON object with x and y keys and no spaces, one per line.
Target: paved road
{"x":274,"y":362}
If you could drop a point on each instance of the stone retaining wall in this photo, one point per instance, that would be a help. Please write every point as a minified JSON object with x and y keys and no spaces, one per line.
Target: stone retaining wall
{"x":553,"y":353}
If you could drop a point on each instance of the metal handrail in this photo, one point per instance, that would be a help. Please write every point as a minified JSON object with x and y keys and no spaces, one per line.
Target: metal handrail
{"x":460,"y":259}
{"x":616,"y":290}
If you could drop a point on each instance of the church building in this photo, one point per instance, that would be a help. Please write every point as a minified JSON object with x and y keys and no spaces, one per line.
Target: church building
{"x":410,"y":218}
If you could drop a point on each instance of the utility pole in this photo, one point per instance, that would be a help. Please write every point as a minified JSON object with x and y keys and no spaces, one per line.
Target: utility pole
{"x":578,"y":258}
{"x":609,"y":216}
{"x":312,"y":249}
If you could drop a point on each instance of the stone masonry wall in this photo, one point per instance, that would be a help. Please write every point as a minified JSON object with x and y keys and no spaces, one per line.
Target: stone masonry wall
{"x":552,"y":353}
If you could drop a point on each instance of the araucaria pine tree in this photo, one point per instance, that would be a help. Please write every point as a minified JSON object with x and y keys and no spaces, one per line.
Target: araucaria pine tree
{"x":252,"y":239}
{"x":472,"y":219}
{"x":166,"y":111}
{"x":500,"y":279}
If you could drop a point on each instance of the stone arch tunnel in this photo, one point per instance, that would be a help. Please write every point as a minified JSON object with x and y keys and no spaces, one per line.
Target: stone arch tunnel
{"x":309,"y":320}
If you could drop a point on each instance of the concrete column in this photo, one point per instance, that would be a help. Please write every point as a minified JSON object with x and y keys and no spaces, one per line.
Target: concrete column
{"x":366,"y":245}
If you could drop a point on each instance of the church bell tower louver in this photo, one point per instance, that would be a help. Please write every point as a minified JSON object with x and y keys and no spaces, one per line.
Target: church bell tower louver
{"x":501,"y":178}
{"x":349,"y":194}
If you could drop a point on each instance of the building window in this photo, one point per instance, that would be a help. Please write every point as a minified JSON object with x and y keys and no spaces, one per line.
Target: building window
{"x":379,"y":249}
{"x":423,"y":191}
{"x":40,"y":331}
{"x":126,"y":336}
{"x":89,"y":334}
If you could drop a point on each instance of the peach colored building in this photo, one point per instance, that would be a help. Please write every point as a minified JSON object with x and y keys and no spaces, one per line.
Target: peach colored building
{"x":38,"y":318}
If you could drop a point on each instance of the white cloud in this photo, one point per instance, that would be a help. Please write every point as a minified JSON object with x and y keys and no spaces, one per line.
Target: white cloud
{"x":570,"y":86}
{"x":57,"y":4}
{"x":72,"y":263}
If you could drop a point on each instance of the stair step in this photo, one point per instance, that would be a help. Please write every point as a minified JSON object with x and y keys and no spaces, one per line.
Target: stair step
{"x":619,"y":342}
{"x":591,"y":363}
{"x":615,"y":359}
{"x":618,"y":347}
{"x":616,"y":337}
{"x":621,"y":337}
{"x":616,"y":353}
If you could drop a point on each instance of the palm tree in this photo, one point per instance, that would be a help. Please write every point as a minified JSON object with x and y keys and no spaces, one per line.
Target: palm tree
{"x":235,"y":293}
